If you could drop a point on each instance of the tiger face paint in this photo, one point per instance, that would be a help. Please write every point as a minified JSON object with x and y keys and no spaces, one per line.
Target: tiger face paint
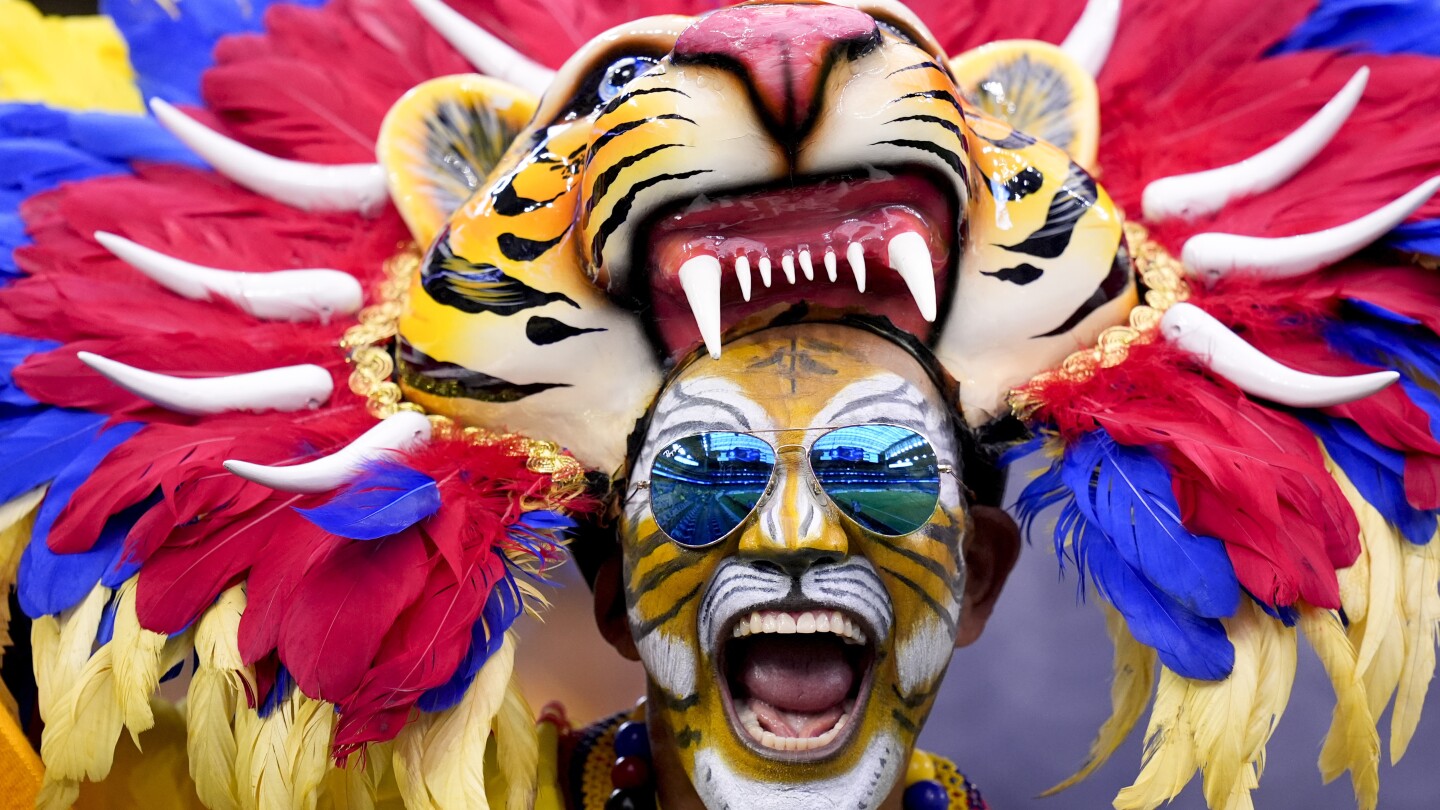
{"x":801,"y":652}
{"x":684,"y":174}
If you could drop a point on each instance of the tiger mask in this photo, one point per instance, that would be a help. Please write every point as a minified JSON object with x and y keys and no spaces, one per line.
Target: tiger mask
{"x":794,"y":632}
{"x":682,"y":175}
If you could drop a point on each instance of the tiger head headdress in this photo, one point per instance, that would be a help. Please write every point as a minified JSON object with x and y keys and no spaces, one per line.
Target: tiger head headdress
{"x":795,"y":242}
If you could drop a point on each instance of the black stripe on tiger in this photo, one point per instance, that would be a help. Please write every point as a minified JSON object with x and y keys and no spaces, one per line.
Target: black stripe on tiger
{"x":422,"y":372}
{"x":656,"y":623}
{"x":1020,"y":274}
{"x":608,"y":177}
{"x":508,"y":202}
{"x":1025,"y":182}
{"x":1071,"y":201}
{"x":941,"y":152}
{"x":622,"y":208}
{"x":929,"y":600}
{"x":921,"y":66}
{"x":618,"y":101}
{"x":543,"y":331}
{"x":521,"y":249}
{"x":621,"y":129}
{"x":1015,"y":140}
{"x":1116,"y":282}
{"x":931,"y":119}
{"x":939,"y":95}
{"x":476,"y":288}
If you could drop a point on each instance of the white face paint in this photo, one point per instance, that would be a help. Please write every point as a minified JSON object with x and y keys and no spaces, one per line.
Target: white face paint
{"x":796,"y":657}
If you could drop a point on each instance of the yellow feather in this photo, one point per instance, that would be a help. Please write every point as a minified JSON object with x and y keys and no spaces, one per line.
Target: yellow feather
{"x":78,"y":62}
{"x":1384,"y":673}
{"x":548,"y":795}
{"x":263,"y":772}
{"x":1170,"y":759}
{"x":1380,"y":578}
{"x":308,"y":750}
{"x":517,"y":749}
{"x":1278,"y":656}
{"x":1134,"y":681}
{"x":215,"y":690}
{"x":357,"y":785}
{"x":1355,"y":580}
{"x":61,"y":647}
{"x":1220,"y":711}
{"x":80,"y":735}
{"x":1421,"y":611}
{"x":17,"y":518}
{"x":1352,"y":744}
{"x":440,"y":760}
{"x":409,"y":761}
{"x":136,"y":657}
{"x":57,"y":793}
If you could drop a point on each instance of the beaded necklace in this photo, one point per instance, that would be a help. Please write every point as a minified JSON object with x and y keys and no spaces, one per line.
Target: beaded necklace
{"x":615,"y":773}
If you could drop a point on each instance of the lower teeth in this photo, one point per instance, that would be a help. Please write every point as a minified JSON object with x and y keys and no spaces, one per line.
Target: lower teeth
{"x":778,"y":743}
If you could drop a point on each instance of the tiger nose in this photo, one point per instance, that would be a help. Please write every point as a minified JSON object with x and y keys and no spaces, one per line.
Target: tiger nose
{"x":796,"y":527}
{"x":784,"y":51}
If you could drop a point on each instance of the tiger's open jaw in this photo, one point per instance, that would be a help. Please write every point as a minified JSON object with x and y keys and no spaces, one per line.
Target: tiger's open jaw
{"x":795,"y":682}
{"x":883,"y":244}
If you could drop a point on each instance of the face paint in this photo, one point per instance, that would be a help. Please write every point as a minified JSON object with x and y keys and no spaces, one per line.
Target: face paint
{"x":800,"y":652}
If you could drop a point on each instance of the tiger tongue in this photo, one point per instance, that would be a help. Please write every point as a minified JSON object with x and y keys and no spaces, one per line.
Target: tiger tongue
{"x":797,"y":685}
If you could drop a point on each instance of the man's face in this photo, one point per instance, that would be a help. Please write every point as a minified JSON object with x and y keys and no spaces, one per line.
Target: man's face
{"x":797,"y":657}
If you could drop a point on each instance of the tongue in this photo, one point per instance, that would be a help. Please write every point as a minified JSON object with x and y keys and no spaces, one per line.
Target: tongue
{"x":796,"y":674}
{"x":795,"y":724}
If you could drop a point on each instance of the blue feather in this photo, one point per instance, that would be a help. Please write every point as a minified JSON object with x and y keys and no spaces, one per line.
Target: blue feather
{"x":538,"y":529}
{"x":50,"y":582}
{"x":502,"y":608}
{"x":1417,"y":237}
{"x":1378,"y":474}
{"x":35,"y":445}
{"x":1411,"y":350}
{"x":279,"y":692}
{"x":1134,"y":506}
{"x":1369,"y":26}
{"x":13,"y":351}
{"x":1121,"y":517}
{"x":385,"y":499}
{"x":169,"y":53}
{"x":106,"y":631}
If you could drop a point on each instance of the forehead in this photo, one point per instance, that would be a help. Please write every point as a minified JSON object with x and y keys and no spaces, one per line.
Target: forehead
{"x":796,"y":377}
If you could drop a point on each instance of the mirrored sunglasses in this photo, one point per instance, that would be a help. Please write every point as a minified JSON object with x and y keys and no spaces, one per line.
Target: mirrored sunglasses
{"x":886,"y":478}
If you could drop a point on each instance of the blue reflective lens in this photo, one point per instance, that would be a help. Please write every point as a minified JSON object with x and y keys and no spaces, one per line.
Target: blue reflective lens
{"x":886,"y":478}
{"x":702,"y":487}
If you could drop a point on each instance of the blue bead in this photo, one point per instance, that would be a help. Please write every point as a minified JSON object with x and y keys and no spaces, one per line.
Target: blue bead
{"x":926,"y":795}
{"x":632,"y":740}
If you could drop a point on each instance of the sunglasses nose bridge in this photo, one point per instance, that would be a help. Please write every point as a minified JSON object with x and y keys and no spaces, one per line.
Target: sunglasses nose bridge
{"x":795,"y":519}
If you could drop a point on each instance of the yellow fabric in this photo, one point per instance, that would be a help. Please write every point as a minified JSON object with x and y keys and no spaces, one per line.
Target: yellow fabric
{"x":19,"y":767}
{"x":75,"y":62}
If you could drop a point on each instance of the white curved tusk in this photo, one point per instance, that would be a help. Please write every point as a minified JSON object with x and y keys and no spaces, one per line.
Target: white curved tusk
{"x":309,"y":186}
{"x":1088,"y":43}
{"x":487,"y":52}
{"x":283,"y":295}
{"x":1229,"y":356}
{"x":292,"y":388}
{"x":1188,"y":196}
{"x":1216,"y":254}
{"x":399,"y":432}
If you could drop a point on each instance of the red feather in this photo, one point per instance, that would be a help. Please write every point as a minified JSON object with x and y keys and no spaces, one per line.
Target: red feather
{"x":1251,"y":477}
{"x":420,"y":652}
{"x":342,"y":608}
{"x":270,"y":588}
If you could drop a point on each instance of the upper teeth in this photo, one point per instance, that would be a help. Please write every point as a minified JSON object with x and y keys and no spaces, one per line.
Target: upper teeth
{"x":908,"y":253}
{"x":811,"y":621}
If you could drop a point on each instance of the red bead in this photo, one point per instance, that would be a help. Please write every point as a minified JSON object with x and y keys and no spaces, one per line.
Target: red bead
{"x":630,"y":772}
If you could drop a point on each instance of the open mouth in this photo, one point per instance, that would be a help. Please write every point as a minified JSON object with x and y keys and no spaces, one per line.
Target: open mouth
{"x":882,"y":243}
{"x":795,"y":682}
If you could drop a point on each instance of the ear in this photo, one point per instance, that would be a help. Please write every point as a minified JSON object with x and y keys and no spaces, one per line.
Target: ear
{"x":990,"y":555}
{"x":442,"y":139}
{"x":610,"y":607}
{"x":1036,"y":88}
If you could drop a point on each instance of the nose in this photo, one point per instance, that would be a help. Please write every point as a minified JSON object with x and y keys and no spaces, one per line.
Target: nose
{"x":785,"y":53}
{"x":794,"y":529}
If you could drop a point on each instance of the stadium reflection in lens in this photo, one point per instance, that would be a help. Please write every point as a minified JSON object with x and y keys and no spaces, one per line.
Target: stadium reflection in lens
{"x":702,"y":487}
{"x":884,"y":477}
